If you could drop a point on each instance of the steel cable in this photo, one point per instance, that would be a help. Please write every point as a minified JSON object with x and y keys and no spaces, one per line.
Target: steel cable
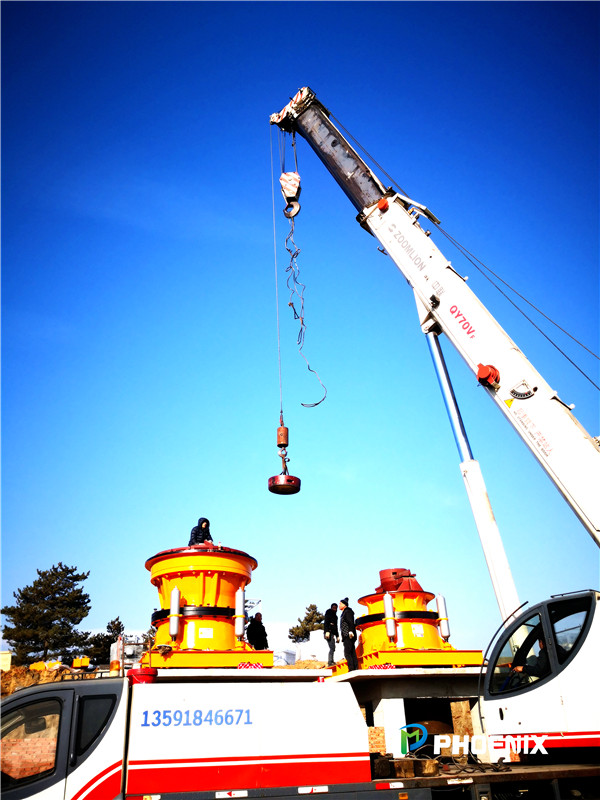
{"x":473,"y":259}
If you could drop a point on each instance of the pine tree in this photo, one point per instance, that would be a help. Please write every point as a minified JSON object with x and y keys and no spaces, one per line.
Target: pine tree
{"x":313,"y":621}
{"x":44,"y":617}
{"x":148,"y":638}
{"x":98,"y":648}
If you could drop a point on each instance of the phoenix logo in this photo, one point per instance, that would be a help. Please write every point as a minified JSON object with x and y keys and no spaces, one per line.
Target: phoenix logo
{"x":412,"y":736}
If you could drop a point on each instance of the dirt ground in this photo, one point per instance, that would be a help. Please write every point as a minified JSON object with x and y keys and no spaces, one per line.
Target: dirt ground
{"x":22,"y":677}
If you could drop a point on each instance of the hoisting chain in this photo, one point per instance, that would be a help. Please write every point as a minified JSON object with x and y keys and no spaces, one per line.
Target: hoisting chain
{"x":283,"y":483}
{"x":290,"y":188}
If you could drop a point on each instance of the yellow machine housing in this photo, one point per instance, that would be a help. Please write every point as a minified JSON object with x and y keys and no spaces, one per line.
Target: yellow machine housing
{"x":409,"y":636}
{"x":209,"y":579}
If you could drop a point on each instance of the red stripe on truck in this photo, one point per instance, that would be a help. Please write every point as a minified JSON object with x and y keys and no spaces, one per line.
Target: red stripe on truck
{"x":245,"y":772}
{"x":104,"y":786}
{"x":572,"y":739}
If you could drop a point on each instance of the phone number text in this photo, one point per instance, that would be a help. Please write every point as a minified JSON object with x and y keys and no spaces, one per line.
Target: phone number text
{"x":167,"y":717}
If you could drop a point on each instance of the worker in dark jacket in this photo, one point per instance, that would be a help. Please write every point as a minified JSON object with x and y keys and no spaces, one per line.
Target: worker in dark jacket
{"x":348,"y":632}
{"x":200,"y":532}
{"x":330,"y":631}
{"x":256,"y":633}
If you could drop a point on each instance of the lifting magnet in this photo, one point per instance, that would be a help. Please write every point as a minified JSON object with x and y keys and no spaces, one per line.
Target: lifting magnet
{"x":284,"y":484}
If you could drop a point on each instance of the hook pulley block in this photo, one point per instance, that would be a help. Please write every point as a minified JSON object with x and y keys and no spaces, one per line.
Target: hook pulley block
{"x":290,"y":189}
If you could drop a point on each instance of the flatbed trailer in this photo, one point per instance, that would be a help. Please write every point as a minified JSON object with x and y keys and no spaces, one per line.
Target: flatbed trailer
{"x":550,"y":782}
{"x":544,"y":783}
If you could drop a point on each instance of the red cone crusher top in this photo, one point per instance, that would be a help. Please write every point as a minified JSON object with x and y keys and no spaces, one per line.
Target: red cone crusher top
{"x":399,"y":631}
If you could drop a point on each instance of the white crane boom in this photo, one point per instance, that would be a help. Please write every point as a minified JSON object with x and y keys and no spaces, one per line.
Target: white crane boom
{"x":565,"y":450}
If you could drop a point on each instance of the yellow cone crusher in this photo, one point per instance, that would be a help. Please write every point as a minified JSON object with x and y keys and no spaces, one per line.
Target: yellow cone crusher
{"x":399,"y":631}
{"x":201,"y":618}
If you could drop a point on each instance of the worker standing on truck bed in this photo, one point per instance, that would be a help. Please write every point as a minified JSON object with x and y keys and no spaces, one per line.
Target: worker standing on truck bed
{"x":256,"y":633}
{"x":348,"y":632}
{"x":330,"y":631}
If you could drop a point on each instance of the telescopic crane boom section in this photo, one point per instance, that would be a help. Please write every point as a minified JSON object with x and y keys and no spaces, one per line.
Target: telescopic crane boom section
{"x":568,"y":454}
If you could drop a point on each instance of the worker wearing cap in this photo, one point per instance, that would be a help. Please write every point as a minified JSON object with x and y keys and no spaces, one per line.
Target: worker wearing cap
{"x":348,"y":631}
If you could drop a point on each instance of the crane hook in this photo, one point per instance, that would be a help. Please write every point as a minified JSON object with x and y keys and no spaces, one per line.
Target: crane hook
{"x":291,"y":209}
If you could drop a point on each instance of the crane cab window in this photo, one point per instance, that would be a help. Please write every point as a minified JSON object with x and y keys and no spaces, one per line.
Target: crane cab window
{"x":540,"y":646}
{"x":29,"y":743}
{"x":569,"y":621}
{"x":522,"y":660}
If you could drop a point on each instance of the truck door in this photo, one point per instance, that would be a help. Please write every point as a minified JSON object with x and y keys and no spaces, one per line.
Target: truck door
{"x":35,"y":743}
{"x":520,"y":698}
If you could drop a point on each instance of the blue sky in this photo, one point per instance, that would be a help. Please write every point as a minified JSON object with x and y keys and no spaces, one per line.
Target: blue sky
{"x":140,"y":384}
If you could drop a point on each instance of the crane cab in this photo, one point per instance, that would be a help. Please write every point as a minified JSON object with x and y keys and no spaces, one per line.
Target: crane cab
{"x":540,"y":675}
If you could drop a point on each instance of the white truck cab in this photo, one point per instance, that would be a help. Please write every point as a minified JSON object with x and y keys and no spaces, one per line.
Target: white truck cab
{"x":100,"y":739}
{"x":538,"y":677}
